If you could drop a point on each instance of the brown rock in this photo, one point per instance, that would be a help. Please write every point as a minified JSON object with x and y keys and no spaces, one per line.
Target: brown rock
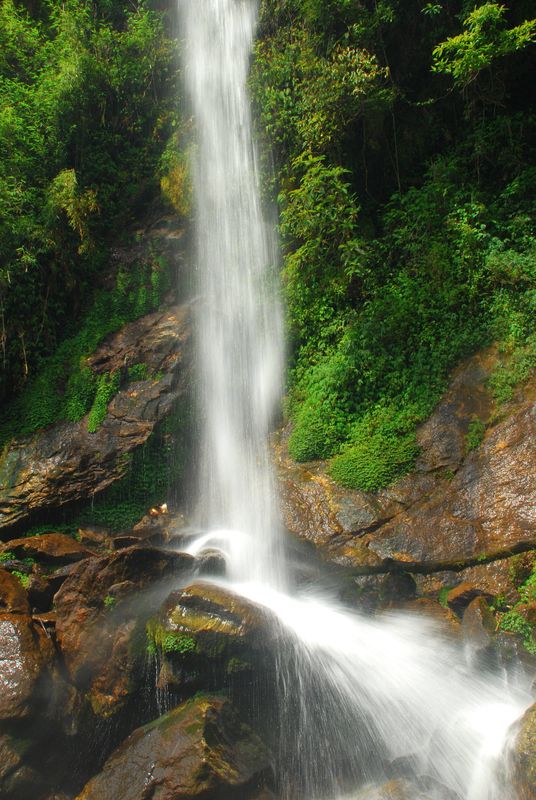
{"x":25,"y":653}
{"x":442,"y":437}
{"x":218,"y":635}
{"x":13,"y":597}
{"x":495,"y":578}
{"x":426,"y":522}
{"x":478,"y":623}
{"x":200,"y":749}
{"x":54,"y":547}
{"x":67,"y":463}
{"x":460,"y":597}
{"x":99,"y":613}
{"x":524,"y":757}
{"x":487,"y":510}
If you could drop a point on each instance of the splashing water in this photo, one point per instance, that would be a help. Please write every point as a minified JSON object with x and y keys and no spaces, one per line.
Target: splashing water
{"x":357,"y":694}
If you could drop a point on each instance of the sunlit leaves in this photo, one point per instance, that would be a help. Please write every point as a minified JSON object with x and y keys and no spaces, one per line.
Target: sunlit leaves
{"x":485,"y":39}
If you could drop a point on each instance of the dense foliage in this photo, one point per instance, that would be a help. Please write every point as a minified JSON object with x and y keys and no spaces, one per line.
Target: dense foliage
{"x":404,"y":139}
{"x":87,"y":105}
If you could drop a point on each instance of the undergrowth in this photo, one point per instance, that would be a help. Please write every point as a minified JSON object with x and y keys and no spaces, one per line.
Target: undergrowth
{"x":66,"y":388}
{"x":514,"y":619}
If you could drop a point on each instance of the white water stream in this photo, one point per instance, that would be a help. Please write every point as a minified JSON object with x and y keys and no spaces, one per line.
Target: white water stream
{"x":361,"y":698}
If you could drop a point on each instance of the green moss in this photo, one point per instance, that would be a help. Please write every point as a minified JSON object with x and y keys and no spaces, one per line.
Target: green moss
{"x":513,"y":620}
{"x":7,"y":555}
{"x":164,"y":641}
{"x":138,"y":372}
{"x":375,"y":463}
{"x":23,"y":578}
{"x":107,"y":387}
{"x":475,"y":434}
{"x":109,"y":601}
{"x":178,"y":643}
{"x":442,"y":596}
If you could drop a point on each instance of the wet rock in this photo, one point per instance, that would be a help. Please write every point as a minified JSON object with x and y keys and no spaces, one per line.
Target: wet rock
{"x":25,"y":654}
{"x":67,"y":463}
{"x":496,"y":578}
{"x":459,"y":598}
{"x":434,"y":520}
{"x":200,"y":749}
{"x":211,"y":563}
{"x":208,"y":635}
{"x":398,"y":588}
{"x":13,"y":597}
{"x":100,"y":621}
{"x":444,"y":617}
{"x":12,"y":752}
{"x":94,"y":538}
{"x":478,"y":624}
{"x":49,"y":548}
{"x":442,"y":437}
{"x":524,"y":757}
{"x":158,"y":527}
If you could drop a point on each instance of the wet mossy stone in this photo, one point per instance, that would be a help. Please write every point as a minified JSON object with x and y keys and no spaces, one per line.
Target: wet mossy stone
{"x":199,"y":750}
{"x":524,"y":757}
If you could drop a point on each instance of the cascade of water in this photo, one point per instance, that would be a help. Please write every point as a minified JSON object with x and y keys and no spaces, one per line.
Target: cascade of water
{"x":239,"y":325}
{"x":357,"y":693}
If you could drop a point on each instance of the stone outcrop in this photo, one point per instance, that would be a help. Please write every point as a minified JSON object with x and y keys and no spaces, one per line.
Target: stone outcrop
{"x":66,"y":463}
{"x":25,"y":655}
{"x":199,"y":750}
{"x":100,"y":614}
{"x":205,"y":632}
{"x":55,"y":548}
{"x":456,"y":511}
{"x":524,"y":757}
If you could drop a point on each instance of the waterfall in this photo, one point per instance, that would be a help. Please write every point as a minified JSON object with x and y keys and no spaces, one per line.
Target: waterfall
{"x":239,"y":321}
{"x":361,"y":699}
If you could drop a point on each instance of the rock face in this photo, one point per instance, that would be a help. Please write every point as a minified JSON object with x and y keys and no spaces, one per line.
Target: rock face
{"x":524,"y":757}
{"x":199,"y":750}
{"x":67,"y":463}
{"x":13,"y":597}
{"x":100,"y":616}
{"x":25,"y":654}
{"x":482,"y":509}
{"x":205,"y":633}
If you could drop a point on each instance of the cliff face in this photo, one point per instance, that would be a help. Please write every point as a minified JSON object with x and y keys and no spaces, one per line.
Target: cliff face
{"x":461,"y":515}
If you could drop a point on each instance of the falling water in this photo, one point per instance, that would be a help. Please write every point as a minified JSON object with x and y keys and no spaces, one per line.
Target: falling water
{"x":239,"y":325}
{"x":360,"y":698}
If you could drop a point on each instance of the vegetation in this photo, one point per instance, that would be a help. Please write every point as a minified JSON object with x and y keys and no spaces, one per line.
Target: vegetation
{"x":514,"y":620}
{"x":87,"y":107}
{"x":404,"y":142}
{"x":65,"y":387}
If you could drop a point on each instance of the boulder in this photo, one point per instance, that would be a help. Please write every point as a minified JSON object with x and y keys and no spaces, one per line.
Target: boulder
{"x":208,"y":635}
{"x":524,"y":757}
{"x":100,"y":616}
{"x":13,"y":597}
{"x":66,"y":463}
{"x":478,"y":624}
{"x":200,"y":749}
{"x":26,"y":652}
{"x":459,"y":598}
{"x":55,"y":548}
